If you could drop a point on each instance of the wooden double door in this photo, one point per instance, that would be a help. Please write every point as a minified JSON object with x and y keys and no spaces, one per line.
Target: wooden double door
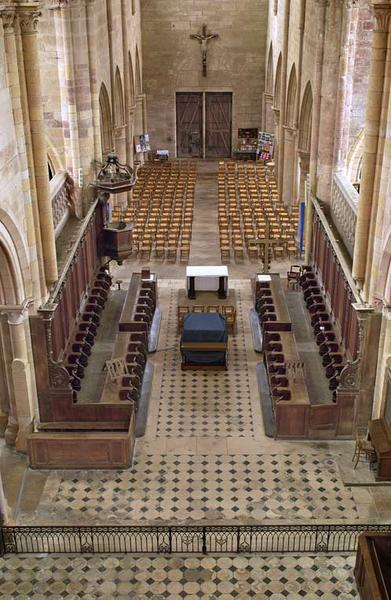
{"x":204,"y":124}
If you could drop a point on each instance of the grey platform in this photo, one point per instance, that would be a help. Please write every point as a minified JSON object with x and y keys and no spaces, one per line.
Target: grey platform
{"x":266,"y":400}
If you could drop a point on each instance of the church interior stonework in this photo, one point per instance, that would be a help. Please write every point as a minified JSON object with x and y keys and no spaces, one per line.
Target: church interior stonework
{"x":195,"y":293}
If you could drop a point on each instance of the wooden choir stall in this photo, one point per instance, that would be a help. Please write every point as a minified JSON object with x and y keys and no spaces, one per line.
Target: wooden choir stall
{"x":373,"y":566}
{"x":100,"y":433}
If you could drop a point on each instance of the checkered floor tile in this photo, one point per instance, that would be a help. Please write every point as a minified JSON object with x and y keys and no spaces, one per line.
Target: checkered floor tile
{"x":174,"y":577}
{"x":185,"y":487}
{"x":204,"y":403}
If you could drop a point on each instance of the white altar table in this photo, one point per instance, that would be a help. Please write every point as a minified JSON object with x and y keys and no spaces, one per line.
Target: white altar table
{"x":207,"y":278}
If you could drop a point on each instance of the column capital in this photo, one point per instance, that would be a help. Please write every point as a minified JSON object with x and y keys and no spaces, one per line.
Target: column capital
{"x":7,"y":15}
{"x":29,"y":16}
{"x":381,"y":12}
{"x":54,"y":4}
{"x":16,"y":313}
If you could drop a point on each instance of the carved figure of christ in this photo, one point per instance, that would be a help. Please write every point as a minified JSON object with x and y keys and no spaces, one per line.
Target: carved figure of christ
{"x":203,"y":38}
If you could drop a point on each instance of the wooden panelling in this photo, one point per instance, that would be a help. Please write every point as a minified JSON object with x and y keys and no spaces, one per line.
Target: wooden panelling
{"x":82,"y":450}
{"x":291,"y":420}
{"x":336,"y":287}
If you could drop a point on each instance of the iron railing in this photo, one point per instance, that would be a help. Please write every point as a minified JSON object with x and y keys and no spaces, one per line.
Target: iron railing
{"x":184,"y":539}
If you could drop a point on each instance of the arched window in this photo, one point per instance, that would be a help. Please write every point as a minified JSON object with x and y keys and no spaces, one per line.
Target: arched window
{"x":277,"y":84}
{"x":105,"y":120}
{"x":131,"y":81}
{"x":305,"y":124}
{"x":119,"y":110}
{"x":138,"y":74}
{"x":269,"y":72}
{"x":291,"y":99}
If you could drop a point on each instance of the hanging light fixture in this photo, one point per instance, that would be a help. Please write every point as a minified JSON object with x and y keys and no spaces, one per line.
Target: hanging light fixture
{"x":115,"y":177}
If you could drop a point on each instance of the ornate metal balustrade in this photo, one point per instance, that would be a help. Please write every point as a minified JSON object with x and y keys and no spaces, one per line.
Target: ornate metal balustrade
{"x":344,"y":204}
{"x":187,"y":539}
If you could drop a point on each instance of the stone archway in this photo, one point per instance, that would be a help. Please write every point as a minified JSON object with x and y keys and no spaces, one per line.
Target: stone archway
{"x":354,"y":158}
{"x":11,"y":294}
{"x":15,"y":332}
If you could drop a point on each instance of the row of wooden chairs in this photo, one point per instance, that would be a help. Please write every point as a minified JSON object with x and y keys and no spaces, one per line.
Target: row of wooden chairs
{"x":332,"y":356}
{"x":135,"y":358}
{"x":79,"y":348}
{"x":228,"y":311}
{"x":164,"y":194}
{"x":249,"y":208}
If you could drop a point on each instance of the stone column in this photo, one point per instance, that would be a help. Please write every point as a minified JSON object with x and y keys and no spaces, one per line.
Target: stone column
{"x":70,"y":84}
{"x":28,"y":19}
{"x":303,"y":170}
{"x":383,"y":361}
{"x":4,"y":510}
{"x":296,"y":169}
{"x":382,"y":12}
{"x":284,"y":65}
{"x":374,"y":278}
{"x":140,"y":114}
{"x":344,"y":94}
{"x":93,"y":61}
{"x":318,"y":78}
{"x":23,"y":411}
{"x":288,"y":195}
{"x":8,"y":16}
{"x":126,"y":66}
{"x":268,"y":122}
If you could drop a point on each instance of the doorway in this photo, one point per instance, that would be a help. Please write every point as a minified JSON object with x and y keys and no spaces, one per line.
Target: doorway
{"x":204,"y":124}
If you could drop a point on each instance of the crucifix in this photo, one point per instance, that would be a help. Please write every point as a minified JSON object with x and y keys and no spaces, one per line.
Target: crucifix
{"x":203,"y":39}
{"x":266,"y":242}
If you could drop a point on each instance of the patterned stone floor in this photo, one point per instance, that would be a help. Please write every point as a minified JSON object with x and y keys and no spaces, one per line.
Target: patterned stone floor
{"x":196,"y":403}
{"x":175,"y":578}
{"x":247,"y":488}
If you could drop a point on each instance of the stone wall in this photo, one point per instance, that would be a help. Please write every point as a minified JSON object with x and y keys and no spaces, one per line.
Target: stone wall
{"x":81,"y":46}
{"x":172,"y":61}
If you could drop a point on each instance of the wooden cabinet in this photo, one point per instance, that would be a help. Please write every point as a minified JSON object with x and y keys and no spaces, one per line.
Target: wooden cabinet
{"x":117,"y":243}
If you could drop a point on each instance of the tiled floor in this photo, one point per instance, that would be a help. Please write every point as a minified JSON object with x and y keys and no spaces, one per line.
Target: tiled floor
{"x":176,"y":577}
{"x":247,"y":488}
{"x":198,"y":403}
{"x":204,"y":457}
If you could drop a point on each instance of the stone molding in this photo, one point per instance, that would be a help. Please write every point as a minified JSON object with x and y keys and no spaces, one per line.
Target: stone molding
{"x":8,"y":14}
{"x":17,"y":313}
{"x":28,"y":19}
{"x":382,"y":14}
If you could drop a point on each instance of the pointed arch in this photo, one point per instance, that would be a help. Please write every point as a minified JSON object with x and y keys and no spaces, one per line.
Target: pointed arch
{"x":105,"y":120}
{"x":277,"y":84}
{"x":54,"y":160}
{"x":132,"y":94}
{"x":119,"y":109}
{"x":305,"y":125}
{"x":291,"y":98}
{"x":14,"y":263}
{"x":138,"y":74}
{"x":354,"y":158}
{"x":269,"y":72}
